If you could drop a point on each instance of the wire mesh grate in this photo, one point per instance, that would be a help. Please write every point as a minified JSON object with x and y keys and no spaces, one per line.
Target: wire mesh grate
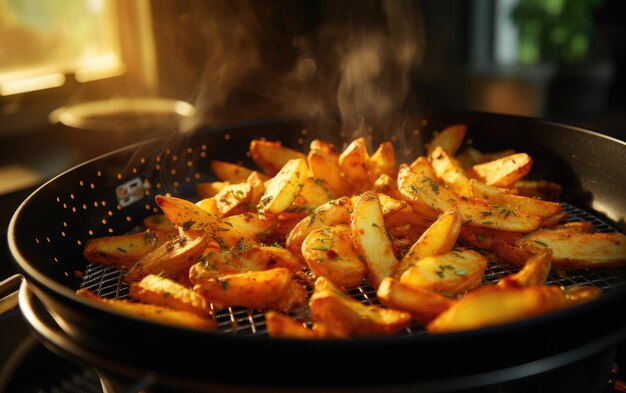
{"x":107,"y":281}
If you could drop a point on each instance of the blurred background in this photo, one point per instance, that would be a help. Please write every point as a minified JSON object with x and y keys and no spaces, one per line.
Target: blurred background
{"x":79,"y":78}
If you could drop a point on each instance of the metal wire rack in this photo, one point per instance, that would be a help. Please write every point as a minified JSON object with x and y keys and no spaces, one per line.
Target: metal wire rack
{"x":107,"y":281}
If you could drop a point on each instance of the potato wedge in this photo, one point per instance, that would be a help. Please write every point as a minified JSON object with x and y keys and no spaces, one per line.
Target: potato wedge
{"x":272,"y":156}
{"x":209,"y":205}
{"x":543,"y":189}
{"x":449,"y":139}
{"x":281,"y":325}
{"x":210,"y":189}
{"x":165,"y":292}
{"x":371,"y":239}
{"x":491,"y":305}
{"x":337,"y":211}
{"x":328,"y":252}
{"x":423,"y":305}
{"x":153,"y":312}
{"x":233,"y":199}
{"x":450,"y":171}
{"x":158,"y":222}
{"x":252,"y":226}
{"x":170,"y":258}
{"x":189,"y":216}
{"x":385,"y":185}
{"x":424,"y":193}
{"x":326,"y":148}
{"x":493,"y":195}
{"x":284,"y":188}
{"x":571,"y":250}
{"x":312,"y":195}
{"x":256,"y":290}
{"x":383,"y":161}
{"x":439,"y":238}
{"x":449,"y":274}
{"x":280,"y":257}
{"x":233,"y":173}
{"x":353,"y":163}
{"x":502,"y":172}
{"x":343,"y":316}
{"x":124,"y":250}
{"x":215,"y":262}
{"x":534,"y":272}
{"x":328,"y":172}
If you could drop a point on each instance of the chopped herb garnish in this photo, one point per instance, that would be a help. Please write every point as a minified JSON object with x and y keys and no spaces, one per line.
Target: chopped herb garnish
{"x":320,"y":248}
{"x":486,"y":213}
{"x":187,"y":225}
{"x":120,"y":249}
{"x":480,"y":238}
{"x":166,"y":293}
{"x":540,"y":243}
{"x":461,"y":272}
{"x":487,"y":222}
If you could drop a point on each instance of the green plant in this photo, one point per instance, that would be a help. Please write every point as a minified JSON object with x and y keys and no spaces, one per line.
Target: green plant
{"x":554,"y":30}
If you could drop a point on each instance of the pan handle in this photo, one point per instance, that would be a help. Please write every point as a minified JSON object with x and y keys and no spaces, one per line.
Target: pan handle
{"x":58,"y":342}
{"x":10,"y":285}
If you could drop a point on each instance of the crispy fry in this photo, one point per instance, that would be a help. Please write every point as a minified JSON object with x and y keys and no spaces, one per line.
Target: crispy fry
{"x":383,"y":161}
{"x":232,"y":173}
{"x":452,"y":273}
{"x":424,"y":305}
{"x":371,"y":239}
{"x":170,"y":258}
{"x":337,"y":211}
{"x":165,"y":292}
{"x":426,"y":195}
{"x":153,"y":312}
{"x":272,"y":156}
{"x":439,"y":238}
{"x":353,"y":163}
{"x":449,"y":139}
{"x":281,"y":325}
{"x":256,"y":290}
{"x":450,"y":171}
{"x":124,"y":250}
{"x":328,"y":252}
{"x":502,"y":172}
{"x":328,"y":172}
{"x":284,"y":188}
{"x":344,"y":316}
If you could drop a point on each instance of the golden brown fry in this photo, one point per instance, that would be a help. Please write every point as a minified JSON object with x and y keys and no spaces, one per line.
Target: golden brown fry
{"x":449,"y":139}
{"x":386,"y":185}
{"x":534,"y":272}
{"x":284,"y":188}
{"x":280,"y":257}
{"x":328,"y":172}
{"x":383,"y":161}
{"x":371,"y":239}
{"x":572,"y":250}
{"x":272,"y":156}
{"x":170,"y":258}
{"x":450,"y":171}
{"x":502,"y":172}
{"x":210,"y":189}
{"x":168,"y":293}
{"x":284,"y":326}
{"x":337,"y":211}
{"x":233,"y":199}
{"x":491,"y":305}
{"x":343,"y":316}
{"x":124,"y":250}
{"x":255,"y":290}
{"x":424,"y":305}
{"x":493,"y":195}
{"x":328,"y":252}
{"x":215,"y":262}
{"x":543,"y":189}
{"x":189,"y":216}
{"x":427,"y":196}
{"x":353,"y":163}
{"x":158,"y":222}
{"x":232,"y":173}
{"x":153,"y":312}
{"x":452,"y":273}
{"x":439,"y":238}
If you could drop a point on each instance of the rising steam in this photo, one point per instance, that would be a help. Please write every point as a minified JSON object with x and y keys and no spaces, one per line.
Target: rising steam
{"x":349,"y":68}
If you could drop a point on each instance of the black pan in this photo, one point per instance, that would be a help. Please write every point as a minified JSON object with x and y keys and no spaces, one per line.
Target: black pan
{"x":49,"y":230}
